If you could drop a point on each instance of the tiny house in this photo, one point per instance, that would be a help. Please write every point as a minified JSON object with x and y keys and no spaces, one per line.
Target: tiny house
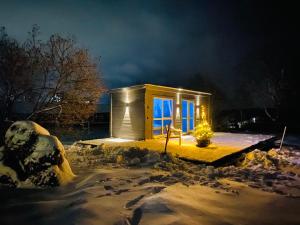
{"x":143,"y":111}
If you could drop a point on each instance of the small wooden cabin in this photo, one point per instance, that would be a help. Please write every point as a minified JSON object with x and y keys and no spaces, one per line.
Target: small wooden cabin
{"x":143,"y":111}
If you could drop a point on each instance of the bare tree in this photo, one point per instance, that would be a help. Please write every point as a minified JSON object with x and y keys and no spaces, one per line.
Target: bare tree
{"x":52,"y":75}
{"x":15,"y":79}
{"x":70,"y":78}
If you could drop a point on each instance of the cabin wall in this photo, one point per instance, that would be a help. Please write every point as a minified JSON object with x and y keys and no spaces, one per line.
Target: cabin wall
{"x":205,"y":101}
{"x":128,"y":114}
{"x":132,"y":110}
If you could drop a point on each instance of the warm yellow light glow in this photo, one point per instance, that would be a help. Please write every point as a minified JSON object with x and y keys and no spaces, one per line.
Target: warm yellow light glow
{"x":197,"y":100}
{"x":197,"y":113}
{"x":178,"y":98}
{"x":177,"y":112}
{"x":126,"y":97}
{"x":126,"y":122}
{"x":203,"y":114}
{"x":203,"y":132}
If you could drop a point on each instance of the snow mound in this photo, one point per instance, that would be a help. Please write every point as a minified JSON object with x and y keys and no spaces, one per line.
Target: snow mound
{"x":32,"y":157}
{"x":260,"y":159}
{"x":272,"y":159}
{"x":82,"y":156}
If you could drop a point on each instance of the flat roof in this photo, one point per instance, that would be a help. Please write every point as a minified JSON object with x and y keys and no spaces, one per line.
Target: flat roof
{"x":159,"y":87}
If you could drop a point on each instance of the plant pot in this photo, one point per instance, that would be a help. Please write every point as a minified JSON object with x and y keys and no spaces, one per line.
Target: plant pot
{"x":203,"y":143}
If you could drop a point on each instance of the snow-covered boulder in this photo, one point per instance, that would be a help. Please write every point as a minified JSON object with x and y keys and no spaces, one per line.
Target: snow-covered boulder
{"x":22,"y":133}
{"x":31,"y":156}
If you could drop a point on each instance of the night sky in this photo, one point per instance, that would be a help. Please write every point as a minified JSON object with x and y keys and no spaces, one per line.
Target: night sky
{"x":162,"y":42}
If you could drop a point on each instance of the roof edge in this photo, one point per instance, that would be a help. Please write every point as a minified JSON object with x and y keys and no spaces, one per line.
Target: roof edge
{"x":154,"y":86}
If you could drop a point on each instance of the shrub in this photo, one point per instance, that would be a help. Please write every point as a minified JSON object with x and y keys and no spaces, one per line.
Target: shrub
{"x":203,"y":132}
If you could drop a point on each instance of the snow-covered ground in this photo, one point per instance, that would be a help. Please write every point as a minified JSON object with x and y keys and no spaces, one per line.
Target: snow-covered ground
{"x":137,"y":186}
{"x":238,"y":140}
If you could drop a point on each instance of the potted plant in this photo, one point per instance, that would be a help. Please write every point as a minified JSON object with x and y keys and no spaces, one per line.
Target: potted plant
{"x":203,"y":132}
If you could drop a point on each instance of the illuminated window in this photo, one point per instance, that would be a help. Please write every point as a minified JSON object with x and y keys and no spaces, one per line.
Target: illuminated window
{"x":191,"y":114}
{"x":162,"y":114}
{"x":184,"y":115}
{"x":187,"y":116}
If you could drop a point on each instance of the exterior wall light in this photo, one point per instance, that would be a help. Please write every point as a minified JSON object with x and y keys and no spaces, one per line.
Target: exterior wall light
{"x":197,"y":100}
{"x":177,"y":99}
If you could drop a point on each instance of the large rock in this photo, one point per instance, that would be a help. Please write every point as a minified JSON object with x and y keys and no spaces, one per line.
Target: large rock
{"x":31,"y":156}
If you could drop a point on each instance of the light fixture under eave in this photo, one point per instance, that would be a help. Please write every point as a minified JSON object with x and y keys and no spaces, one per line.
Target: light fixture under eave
{"x":177,"y":98}
{"x":197,"y":100}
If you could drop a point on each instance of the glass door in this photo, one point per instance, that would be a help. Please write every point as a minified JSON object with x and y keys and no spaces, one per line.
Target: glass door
{"x":188,"y":112}
{"x":162,"y":114}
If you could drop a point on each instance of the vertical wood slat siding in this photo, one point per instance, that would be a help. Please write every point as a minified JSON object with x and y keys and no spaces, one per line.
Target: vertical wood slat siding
{"x":128,"y":119}
{"x":205,"y":101}
{"x":148,"y":114}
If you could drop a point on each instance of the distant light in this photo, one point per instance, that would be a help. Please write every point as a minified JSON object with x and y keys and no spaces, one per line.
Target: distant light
{"x":179,"y":89}
{"x":254,"y":120}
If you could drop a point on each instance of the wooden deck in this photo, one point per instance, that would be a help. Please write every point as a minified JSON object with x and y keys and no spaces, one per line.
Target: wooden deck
{"x":223,"y":145}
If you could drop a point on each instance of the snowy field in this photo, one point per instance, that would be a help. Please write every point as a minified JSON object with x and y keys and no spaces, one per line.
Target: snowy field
{"x":133,"y":186}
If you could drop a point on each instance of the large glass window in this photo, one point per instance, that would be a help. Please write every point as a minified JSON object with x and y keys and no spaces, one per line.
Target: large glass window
{"x":187,"y":115}
{"x":191,"y":114}
{"x":184,"y":110}
{"x":157,"y":108}
{"x":162,"y":114}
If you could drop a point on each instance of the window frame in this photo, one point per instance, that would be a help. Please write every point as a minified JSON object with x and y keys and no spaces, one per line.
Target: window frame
{"x":188,"y":117}
{"x":163,"y":118}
